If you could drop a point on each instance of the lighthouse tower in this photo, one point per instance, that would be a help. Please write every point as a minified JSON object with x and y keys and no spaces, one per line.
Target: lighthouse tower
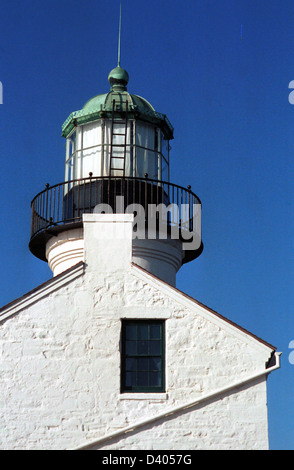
{"x":117,"y":162}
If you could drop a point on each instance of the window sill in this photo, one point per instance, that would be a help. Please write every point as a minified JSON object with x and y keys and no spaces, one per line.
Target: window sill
{"x":144,"y":396}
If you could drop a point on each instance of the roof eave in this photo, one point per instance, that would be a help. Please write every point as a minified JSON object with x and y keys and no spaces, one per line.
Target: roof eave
{"x":77,"y":118}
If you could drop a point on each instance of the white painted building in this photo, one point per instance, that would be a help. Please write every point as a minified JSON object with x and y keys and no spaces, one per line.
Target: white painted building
{"x":108,"y":354}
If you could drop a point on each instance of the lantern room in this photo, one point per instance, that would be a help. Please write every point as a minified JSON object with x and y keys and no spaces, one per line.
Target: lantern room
{"x":117,"y":135}
{"x":117,"y":156}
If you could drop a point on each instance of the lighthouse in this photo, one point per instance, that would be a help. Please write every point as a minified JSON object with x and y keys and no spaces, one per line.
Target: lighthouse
{"x":118,"y":161}
{"x":108,"y":354}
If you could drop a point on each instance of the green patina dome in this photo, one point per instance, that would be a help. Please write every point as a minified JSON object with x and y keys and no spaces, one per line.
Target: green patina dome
{"x":100,"y":106}
{"x":105,"y":101}
{"x":95,"y":103}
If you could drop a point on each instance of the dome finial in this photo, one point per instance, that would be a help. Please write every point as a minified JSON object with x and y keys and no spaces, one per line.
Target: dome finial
{"x":118,"y":79}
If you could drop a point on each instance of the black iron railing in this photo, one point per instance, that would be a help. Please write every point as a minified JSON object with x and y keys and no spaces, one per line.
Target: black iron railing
{"x":62,"y":204}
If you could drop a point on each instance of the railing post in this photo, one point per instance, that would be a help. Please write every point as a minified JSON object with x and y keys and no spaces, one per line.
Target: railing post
{"x":190,"y":221}
{"x":58,"y":204}
{"x":46,"y":210}
{"x":90,"y":191}
{"x":146,"y":195}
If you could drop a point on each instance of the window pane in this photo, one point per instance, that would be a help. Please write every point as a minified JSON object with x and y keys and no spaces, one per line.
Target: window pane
{"x":131,"y":347}
{"x":131,"y":332}
{"x":72,"y":144}
{"x":131,"y":364}
{"x":130,"y":379}
{"x":155,"y":347}
{"x":143,"y":379}
{"x":155,"y":379}
{"x":143,"y":331}
{"x":164,"y":146}
{"x":155,"y":363}
{"x":143,"y":363}
{"x":142,"y":347}
{"x":155,"y":331}
{"x":164,"y":170}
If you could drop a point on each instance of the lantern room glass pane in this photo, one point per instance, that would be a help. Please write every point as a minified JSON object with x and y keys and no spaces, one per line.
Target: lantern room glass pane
{"x":145,"y":146}
{"x":164,"y":158}
{"x":164,"y":146}
{"x":70,"y":157}
{"x":70,"y":169}
{"x":91,"y":150}
{"x":89,"y":147}
{"x":72,"y":143}
{"x":164,"y":170}
{"x":83,"y":152}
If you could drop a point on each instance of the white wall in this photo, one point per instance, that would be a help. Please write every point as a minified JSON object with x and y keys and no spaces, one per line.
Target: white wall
{"x":60,"y":363}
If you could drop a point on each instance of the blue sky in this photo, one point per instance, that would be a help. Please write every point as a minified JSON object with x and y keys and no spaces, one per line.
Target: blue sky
{"x":220,"y":71}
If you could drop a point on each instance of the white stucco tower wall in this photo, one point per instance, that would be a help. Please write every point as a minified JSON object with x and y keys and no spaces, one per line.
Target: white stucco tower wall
{"x":60,"y":361}
{"x":161,"y":257}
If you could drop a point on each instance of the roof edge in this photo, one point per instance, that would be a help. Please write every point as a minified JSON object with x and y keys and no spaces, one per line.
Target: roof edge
{"x":17,"y":305}
{"x":210,"y":310}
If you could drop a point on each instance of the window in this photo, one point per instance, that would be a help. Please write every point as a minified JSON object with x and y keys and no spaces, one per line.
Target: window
{"x":70,"y":157}
{"x":143,"y":356}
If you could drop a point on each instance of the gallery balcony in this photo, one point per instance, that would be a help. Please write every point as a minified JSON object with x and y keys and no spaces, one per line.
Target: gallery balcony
{"x":61,"y":207}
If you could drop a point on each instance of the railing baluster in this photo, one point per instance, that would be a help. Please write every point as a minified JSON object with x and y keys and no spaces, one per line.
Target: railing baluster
{"x":95,"y":198}
{"x":114,"y":181}
{"x":53,"y":206}
{"x":73,"y":202}
{"x":78,"y":200}
{"x":58,"y":205}
{"x":67,"y":201}
{"x":90,"y":191}
{"x":42,"y":207}
{"x":83,"y":208}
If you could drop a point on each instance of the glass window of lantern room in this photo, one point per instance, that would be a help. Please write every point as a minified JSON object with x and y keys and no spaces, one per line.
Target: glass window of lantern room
{"x":70,"y":156}
{"x":145,"y":150}
{"x":164,"y":158}
{"x":91,"y":155}
{"x":157,"y":155}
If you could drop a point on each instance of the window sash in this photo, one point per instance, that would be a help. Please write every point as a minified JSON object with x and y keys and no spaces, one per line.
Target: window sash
{"x":143,"y":356}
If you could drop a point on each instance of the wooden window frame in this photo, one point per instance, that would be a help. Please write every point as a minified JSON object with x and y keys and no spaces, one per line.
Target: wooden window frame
{"x":136,"y":355}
